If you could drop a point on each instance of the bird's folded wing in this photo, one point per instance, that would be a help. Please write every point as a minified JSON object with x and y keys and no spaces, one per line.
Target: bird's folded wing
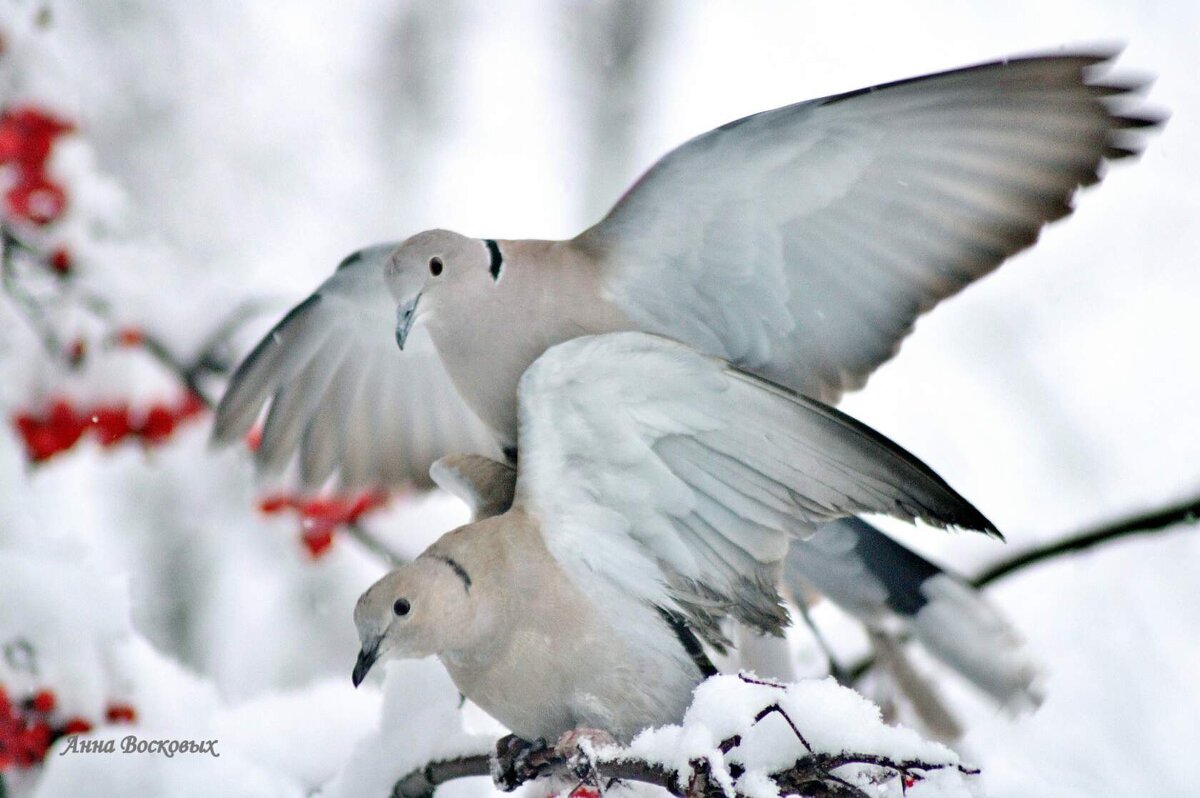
{"x":804,"y":242}
{"x":484,"y":484}
{"x":343,"y":395}
{"x":680,"y":479}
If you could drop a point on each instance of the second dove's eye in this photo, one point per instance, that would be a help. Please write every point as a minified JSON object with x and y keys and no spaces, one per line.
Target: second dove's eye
{"x":435,"y":266}
{"x":401,"y":607}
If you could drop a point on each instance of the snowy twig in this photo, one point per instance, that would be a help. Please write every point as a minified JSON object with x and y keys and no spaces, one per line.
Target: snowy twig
{"x":210,"y":360}
{"x":811,"y":776}
{"x":29,"y":305}
{"x":422,"y":782}
{"x":373,"y":544}
{"x":714,"y":775}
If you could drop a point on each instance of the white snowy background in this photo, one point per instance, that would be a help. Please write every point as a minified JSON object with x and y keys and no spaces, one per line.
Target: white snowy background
{"x":232,"y":150}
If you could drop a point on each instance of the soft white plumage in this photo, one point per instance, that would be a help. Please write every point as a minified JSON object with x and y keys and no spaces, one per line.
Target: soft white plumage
{"x":681,"y":480}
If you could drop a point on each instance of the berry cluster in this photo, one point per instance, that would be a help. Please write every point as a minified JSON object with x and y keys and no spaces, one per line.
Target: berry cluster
{"x":320,"y":516}
{"x":584,"y":791}
{"x":29,"y":727}
{"x":27,"y":136}
{"x":61,"y":425}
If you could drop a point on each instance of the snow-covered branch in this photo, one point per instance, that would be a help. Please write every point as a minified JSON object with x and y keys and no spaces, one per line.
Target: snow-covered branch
{"x":739,"y":738}
{"x":811,"y":775}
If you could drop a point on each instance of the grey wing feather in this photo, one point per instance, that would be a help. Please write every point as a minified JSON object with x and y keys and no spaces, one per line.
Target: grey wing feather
{"x":340,"y":394}
{"x":803,"y":243}
{"x":860,"y":569}
{"x":871,"y":576}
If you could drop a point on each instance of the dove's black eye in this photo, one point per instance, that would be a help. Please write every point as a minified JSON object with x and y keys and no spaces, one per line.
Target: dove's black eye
{"x":435,"y":266}
{"x":401,"y":607}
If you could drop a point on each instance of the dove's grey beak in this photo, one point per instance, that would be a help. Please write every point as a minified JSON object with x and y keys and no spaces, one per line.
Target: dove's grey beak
{"x":366,"y":658}
{"x":404,"y":320}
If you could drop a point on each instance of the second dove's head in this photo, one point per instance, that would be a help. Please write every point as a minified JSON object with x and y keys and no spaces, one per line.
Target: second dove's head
{"x":433,"y":266}
{"x":416,"y":610}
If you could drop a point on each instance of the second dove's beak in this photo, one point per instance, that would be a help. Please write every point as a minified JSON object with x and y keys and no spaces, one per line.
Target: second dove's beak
{"x":404,"y":320}
{"x":366,"y":658}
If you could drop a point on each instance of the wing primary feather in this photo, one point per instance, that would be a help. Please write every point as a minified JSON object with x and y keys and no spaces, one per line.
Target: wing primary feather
{"x":268,"y":364}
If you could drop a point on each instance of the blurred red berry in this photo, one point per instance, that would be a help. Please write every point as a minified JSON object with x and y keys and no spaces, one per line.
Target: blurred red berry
{"x":61,"y":262}
{"x":121,"y":713}
{"x":322,"y":515}
{"x":254,"y":438}
{"x":43,"y":701}
{"x":366,"y":502}
{"x":76,"y":726}
{"x":111,"y":424}
{"x":27,"y":135}
{"x":190,"y":406}
{"x":41,"y":442}
{"x":46,"y":436}
{"x":11,"y":143}
{"x":317,"y":537}
{"x":76,"y":352}
{"x":274,"y":503}
{"x":584,"y":791}
{"x":130,"y":336}
{"x":32,"y":742}
{"x":322,"y":508}
{"x":35,"y":199}
{"x":158,"y":424}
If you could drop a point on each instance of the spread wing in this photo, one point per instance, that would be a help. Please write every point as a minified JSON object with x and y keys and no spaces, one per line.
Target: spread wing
{"x":804,"y":242}
{"x":343,"y":395}
{"x":680,"y":479}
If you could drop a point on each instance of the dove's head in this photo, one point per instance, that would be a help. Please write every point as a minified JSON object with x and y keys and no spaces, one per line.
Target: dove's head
{"x":418,"y":610}
{"x":436,"y":267}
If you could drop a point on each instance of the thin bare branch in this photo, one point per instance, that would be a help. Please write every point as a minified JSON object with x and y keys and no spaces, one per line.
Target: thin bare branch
{"x":1187,"y":512}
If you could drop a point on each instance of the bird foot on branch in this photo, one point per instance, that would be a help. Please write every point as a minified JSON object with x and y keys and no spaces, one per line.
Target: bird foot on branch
{"x":578,"y":747}
{"x":516,"y":760}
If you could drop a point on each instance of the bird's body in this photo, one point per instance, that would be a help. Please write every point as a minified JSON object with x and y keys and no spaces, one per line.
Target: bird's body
{"x":487,"y":344}
{"x":620,"y":668}
{"x":657,"y":489}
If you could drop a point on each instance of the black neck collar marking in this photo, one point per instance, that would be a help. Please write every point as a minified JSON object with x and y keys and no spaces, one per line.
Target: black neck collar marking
{"x":497,"y":258}
{"x":458,"y":569}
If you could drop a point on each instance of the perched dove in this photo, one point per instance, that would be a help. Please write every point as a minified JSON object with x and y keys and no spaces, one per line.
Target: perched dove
{"x":871,"y":576}
{"x":800,"y":244}
{"x":656,"y":492}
